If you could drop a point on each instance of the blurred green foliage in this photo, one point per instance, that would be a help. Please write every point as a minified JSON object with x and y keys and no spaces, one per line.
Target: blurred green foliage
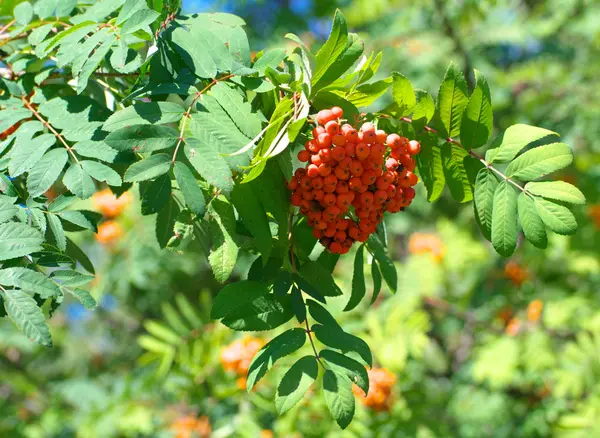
{"x":471,"y":357}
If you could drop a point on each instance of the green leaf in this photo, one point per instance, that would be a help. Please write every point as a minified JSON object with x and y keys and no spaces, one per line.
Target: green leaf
{"x":92,"y":63}
{"x":247,"y":121}
{"x":388,"y":270}
{"x":271,"y":58}
{"x":334,"y":46}
{"x":95,"y":149}
{"x":155,"y":195}
{"x":76,"y":253}
{"x":274,"y":196}
{"x":199,"y":42}
{"x":478,"y":118}
{"x":403,"y":93}
{"x":23,"y":13}
{"x":339,"y":397}
{"x":26,"y":154}
{"x":224,"y":252}
{"x":333,"y":336}
{"x":46,"y":172}
{"x":142,"y":138}
{"x":18,"y":240}
{"x":557,"y":190}
{"x":354,"y":48}
{"x":149,"y":168}
{"x":7,"y":209}
{"x":295,"y":383}
{"x":84,"y":298}
{"x":29,"y":281}
{"x":192,"y":193}
{"x":514,"y":140}
{"x":237,"y":295}
{"x":531,"y":222}
{"x":298,"y":305}
{"x":424,"y":109}
{"x":139,"y":20}
{"x":377,"y":280}
{"x":504,"y":219}
{"x":366,"y":94}
{"x":321,"y":315}
{"x":359,"y":288}
{"x":308,"y":288}
{"x":70,"y":278}
{"x":279,"y":347}
{"x":320,"y":278}
{"x":79,"y":182}
{"x":247,"y":203}
{"x":146,"y":113}
{"x":431,"y":169}
{"x":209,"y":163}
{"x":102,"y":172}
{"x":83,"y":219}
{"x":58,"y":231}
{"x":342,"y":364}
{"x":454,"y":170}
{"x":27,"y":316}
{"x":483,"y":200}
{"x":540,"y":161}
{"x":452,"y":101}
{"x":165,"y":222}
{"x":264,"y":313}
{"x":556,"y":217}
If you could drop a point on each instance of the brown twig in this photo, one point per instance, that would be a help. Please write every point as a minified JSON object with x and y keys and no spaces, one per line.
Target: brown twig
{"x":3,"y":29}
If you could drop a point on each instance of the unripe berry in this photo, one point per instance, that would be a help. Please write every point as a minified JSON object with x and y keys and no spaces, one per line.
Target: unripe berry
{"x":332,"y":127}
{"x":303,"y":156}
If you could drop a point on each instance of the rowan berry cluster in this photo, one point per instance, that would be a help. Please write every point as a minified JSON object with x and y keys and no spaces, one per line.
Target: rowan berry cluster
{"x":190,"y":426}
{"x":351,"y":178}
{"x":105,"y":201}
{"x":381,"y":382}
{"x":427,"y":243}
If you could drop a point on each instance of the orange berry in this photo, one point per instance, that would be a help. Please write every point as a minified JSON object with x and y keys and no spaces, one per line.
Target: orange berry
{"x":342,"y":187}
{"x":316,"y":159}
{"x":325,"y":155}
{"x":337,"y":112}
{"x":324,"y":140}
{"x":324,"y":170}
{"x":318,"y":130}
{"x":350,"y":149}
{"x":362,"y":151}
{"x":341,"y":173}
{"x":356,"y":168}
{"x":338,"y":140}
{"x":332,"y":127}
{"x":391,"y":164}
{"x":109,"y":232}
{"x":338,"y":154}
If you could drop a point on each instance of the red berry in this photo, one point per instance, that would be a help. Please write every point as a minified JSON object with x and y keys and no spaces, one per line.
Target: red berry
{"x":324,"y":116}
{"x":304,"y":156}
{"x":324,"y":140}
{"x":325,"y":155}
{"x":338,"y":140}
{"x":316,"y":159}
{"x":414,"y":147}
{"x":341,"y":173}
{"x":318,"y":130}
{"x":362,"y":151}
{"x":350,"y":149}
{"x":324,"y":170}
{"x":338,"y":154}
{"x":381,"y":136}
{"x":391,"y":164}
{"x":367,"y":127}
{"x":312,"y":170}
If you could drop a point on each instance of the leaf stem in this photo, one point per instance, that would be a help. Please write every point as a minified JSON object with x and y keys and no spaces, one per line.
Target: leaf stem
{"x":293,"y":261}
{"x":187,"y":114}
{"x":50,"y":128}
{"x":470,"y":152}
{"x":3,"y":29}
